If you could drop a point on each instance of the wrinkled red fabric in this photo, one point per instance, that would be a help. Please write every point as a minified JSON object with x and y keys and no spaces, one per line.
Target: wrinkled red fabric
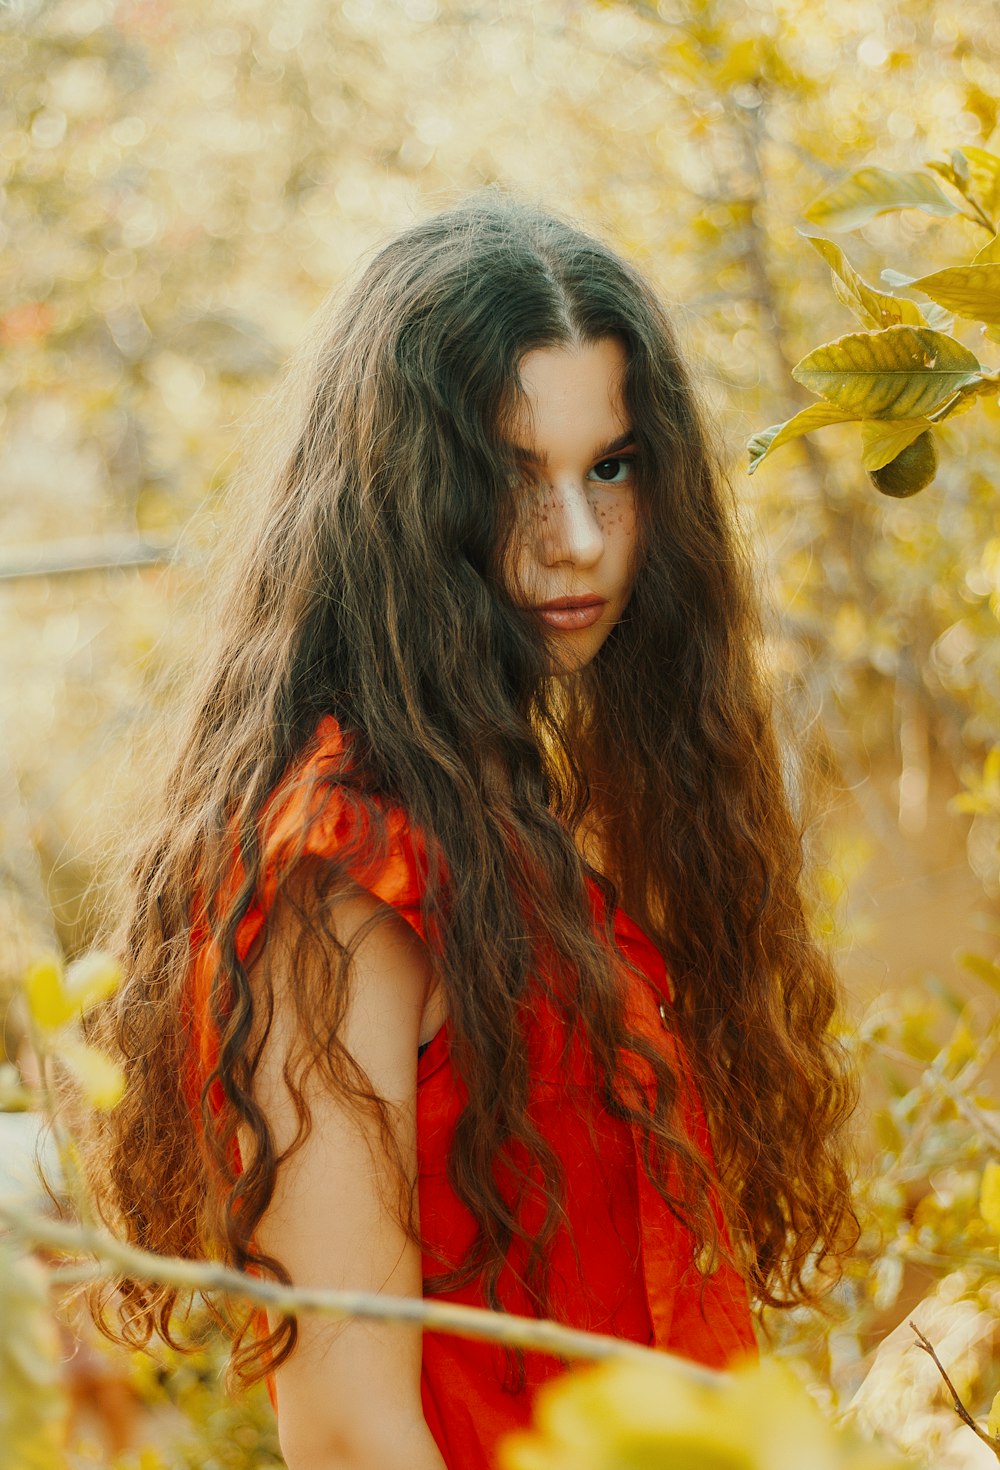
{"x":624,"y":1264}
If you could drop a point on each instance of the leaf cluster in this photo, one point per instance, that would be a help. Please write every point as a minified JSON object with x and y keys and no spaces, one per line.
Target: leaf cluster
{"x":905,"y":373}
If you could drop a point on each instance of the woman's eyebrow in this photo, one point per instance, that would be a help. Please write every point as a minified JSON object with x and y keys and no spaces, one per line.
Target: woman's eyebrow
{"x":605,"y":452}
{"x":616,"y":446}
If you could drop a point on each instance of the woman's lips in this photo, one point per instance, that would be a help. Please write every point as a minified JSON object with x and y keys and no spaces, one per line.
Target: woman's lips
{"x":570,"y":613}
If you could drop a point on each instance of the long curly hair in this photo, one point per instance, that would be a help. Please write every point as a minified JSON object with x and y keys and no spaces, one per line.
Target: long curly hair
{"x":367,"y":582}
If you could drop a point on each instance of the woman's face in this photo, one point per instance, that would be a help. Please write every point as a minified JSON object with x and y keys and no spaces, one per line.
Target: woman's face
{"x":574,"y":556}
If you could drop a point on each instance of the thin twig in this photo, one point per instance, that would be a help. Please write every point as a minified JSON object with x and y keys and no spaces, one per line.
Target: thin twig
{"x":960,"y":1408}
{"x":534,"y":1334}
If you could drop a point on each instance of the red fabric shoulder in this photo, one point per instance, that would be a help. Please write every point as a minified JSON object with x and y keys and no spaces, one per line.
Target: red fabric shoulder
{"x":313,"y":813}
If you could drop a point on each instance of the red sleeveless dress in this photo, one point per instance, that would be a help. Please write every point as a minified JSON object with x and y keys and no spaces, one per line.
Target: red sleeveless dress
{"x":625,"y":1265}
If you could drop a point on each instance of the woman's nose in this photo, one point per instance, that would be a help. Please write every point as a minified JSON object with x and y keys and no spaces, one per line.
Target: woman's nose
{"x":571,"y":532}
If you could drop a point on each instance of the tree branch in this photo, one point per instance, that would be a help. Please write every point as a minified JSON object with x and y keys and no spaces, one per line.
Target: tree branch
{"x":960,"y":1408}
{"x":535,"y":1334}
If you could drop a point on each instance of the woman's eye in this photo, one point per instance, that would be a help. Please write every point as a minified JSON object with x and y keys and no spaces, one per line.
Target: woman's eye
{"x":617,"y":471}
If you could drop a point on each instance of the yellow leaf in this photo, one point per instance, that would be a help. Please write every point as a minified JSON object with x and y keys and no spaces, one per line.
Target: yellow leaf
{"x":986,"y":969}
{"x":873,"y":308}
{"x":883,"y":439}
{"x":984,"y":178}
{"x":990,"y":254}
{"x":92,"y":978}
{"x":872,"y":191}
{"x":55,"y":998}
{"x":33,"y":1402}
{"x":989,"y":1197}
{"x":101,"y":1079}
{"x":48,"y":1003}
{"x":993,"y":1422}
{"x":634,"y":1416}
{"x":971,"y":291}
{"x":816,"y":416}
{"x":900,"y":373}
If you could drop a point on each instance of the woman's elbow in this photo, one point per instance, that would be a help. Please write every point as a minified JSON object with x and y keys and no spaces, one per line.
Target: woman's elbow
{"x":380,"y":1441}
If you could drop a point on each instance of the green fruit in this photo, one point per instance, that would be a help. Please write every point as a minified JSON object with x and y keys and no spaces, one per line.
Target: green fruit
{"x":912,"y":469}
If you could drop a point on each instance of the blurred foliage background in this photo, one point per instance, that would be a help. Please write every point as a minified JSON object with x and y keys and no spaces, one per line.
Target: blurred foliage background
{"x":183,"y":182}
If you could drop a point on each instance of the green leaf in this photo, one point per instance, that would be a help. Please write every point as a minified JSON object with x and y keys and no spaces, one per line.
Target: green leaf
{"x":872,"y":191}
{"x":971,"y":291}
{"x":990,"y":254}
{"x":873,"y":308}
{"x":816,"y":416}
{"x":883,"y":439}
{"x":896,"y":278}
{"x":900,"y":373}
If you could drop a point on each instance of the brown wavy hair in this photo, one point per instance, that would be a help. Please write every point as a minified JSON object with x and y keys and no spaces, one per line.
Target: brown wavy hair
{"x":367,"y":582}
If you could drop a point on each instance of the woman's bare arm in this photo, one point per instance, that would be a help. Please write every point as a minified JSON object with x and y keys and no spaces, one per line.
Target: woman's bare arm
{"x":349,"y":1395}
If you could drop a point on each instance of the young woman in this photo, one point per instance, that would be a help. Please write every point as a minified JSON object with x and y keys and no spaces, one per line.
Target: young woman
{"x":474,"y":891}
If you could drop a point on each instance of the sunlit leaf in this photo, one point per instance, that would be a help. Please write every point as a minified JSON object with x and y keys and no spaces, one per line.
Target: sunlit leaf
{"x":988,"y":386}
{"x":989,"y":1196}
{"x":92,"y":978}
{"x":101,"y":1079}
{"x":990,"y":254}
{"x":33,"y":1404}
{"x":993,"y":1420}
{"x":901,"y":373}
{"x":44,"y":989}
{"x":984,"y":179}
{"x":937,"y":317}
{"x":982,"y":967}
{"x":816,"y":416}
{"x":971,"y":291}
{"x":56,"y":997}
{"x":873,"y":308}
{"x":954,"y":169}
{"x":872,"y":191}
{"x":631,"y":1416}
{"x":883,"y":439}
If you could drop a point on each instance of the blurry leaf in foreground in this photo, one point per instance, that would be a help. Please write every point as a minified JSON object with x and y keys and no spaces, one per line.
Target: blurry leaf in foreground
{"x":101,"y":1079}
{"x":901,"y":373}
{"x":989,"y":1197}
{"x":986,"y":969}
{"x":993,"y":1422}
{"x":872,"y":191}
{"x":55,"y":998}
{"x":32,"y":1408}
{"x":634,"y":1416}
